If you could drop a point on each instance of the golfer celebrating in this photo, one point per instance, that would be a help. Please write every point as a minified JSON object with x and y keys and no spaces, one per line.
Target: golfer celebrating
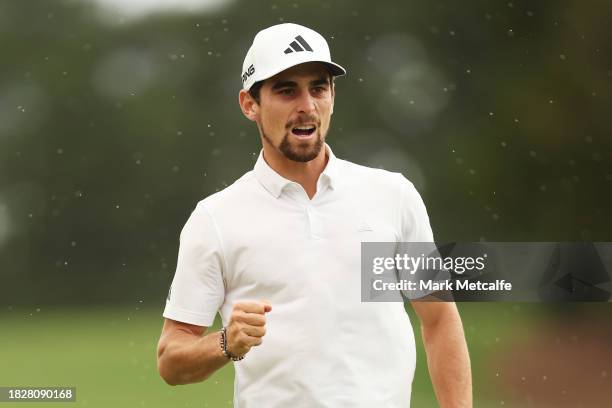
{"x":277,"y":254}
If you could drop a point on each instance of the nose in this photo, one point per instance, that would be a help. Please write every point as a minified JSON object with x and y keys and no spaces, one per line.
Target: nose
{"x":306,"y":103}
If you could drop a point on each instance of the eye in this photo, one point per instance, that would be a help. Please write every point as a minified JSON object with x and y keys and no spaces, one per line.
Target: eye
{"x":286,"y":91}
{"x":319,"y":89}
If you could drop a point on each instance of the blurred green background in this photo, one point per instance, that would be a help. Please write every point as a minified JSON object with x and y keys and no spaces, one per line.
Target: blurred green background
{"x":117,"y":117}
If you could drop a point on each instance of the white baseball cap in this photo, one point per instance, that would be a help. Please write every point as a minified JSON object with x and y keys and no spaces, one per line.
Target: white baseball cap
{"x":283,"y":46}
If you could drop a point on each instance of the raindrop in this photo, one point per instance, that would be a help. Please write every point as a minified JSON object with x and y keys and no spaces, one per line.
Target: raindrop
{"x":510,"y":33}
{"x":60,"y":151}
{"x":562,"y":56}
{"x":78,"y":193}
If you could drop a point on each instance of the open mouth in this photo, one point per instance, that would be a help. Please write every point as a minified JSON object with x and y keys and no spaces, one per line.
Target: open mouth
{"x":303,"y":131}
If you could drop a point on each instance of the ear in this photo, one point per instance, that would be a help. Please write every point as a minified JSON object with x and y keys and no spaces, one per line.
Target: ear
{"x":248,"y":105}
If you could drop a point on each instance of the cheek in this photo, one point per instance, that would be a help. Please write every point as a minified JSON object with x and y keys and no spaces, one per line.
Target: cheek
{"x":272,"y":119}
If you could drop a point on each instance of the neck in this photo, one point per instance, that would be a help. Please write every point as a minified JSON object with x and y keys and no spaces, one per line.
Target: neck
{"x":306,"y":174}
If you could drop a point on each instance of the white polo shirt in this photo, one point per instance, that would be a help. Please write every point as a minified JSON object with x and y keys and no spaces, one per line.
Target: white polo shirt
{"x":263,"y":238}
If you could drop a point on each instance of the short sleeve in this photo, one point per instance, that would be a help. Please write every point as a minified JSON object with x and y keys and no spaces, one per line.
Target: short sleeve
{"x":414,"y":221}
{"x":416,"y":240}
{"x":197,"y":291}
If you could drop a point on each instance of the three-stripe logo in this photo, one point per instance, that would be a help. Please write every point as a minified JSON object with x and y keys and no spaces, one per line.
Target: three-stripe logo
{"x":298,"y":45}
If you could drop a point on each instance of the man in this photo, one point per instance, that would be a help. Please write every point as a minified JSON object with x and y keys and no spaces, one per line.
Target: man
{"x":278,"y":255}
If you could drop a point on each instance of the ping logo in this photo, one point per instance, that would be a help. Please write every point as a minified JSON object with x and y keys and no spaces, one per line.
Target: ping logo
{"x":250,"y":71}
{"x":294,"y":46}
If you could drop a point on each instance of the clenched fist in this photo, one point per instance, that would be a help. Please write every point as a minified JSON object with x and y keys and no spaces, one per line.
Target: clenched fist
{"x":247,"y":326}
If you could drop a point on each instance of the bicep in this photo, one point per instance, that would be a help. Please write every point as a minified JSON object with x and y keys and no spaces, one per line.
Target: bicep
{"x":173,"y":330}
{"x":431,"y":312}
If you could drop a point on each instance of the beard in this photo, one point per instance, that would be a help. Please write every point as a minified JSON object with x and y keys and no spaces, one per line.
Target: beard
{"x":301,"y":151}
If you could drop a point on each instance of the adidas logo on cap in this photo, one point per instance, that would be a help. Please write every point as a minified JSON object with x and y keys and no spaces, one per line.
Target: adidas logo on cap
{"x":294,"y":46}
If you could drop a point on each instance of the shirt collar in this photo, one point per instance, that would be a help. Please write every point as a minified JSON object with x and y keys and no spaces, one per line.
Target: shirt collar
{"x":274,"y":183}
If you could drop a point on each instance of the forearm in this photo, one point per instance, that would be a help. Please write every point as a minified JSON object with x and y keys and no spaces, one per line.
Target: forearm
{"x":448,"y":361}
{"x":188,"y":359}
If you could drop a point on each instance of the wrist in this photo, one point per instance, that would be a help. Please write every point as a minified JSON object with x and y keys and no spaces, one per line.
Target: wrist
{"x":223,"y":344}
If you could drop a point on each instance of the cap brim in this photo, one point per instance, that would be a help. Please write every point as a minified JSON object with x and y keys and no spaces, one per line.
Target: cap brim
{"x":333,"y":68}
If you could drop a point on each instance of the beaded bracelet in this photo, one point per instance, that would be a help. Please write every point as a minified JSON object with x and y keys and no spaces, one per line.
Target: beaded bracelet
{"x":223,"y":344}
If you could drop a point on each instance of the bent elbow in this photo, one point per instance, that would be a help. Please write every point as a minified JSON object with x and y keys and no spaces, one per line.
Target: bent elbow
{"x":165,"y":370}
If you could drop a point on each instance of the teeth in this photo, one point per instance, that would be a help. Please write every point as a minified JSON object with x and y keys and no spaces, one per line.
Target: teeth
{"x":304,"y":127}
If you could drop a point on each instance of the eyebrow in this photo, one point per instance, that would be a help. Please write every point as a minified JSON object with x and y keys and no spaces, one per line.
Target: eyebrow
{"x":292,"y":84}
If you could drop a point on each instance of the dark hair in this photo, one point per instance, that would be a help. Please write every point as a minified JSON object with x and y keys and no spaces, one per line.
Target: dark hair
{"x":255,"y":90}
